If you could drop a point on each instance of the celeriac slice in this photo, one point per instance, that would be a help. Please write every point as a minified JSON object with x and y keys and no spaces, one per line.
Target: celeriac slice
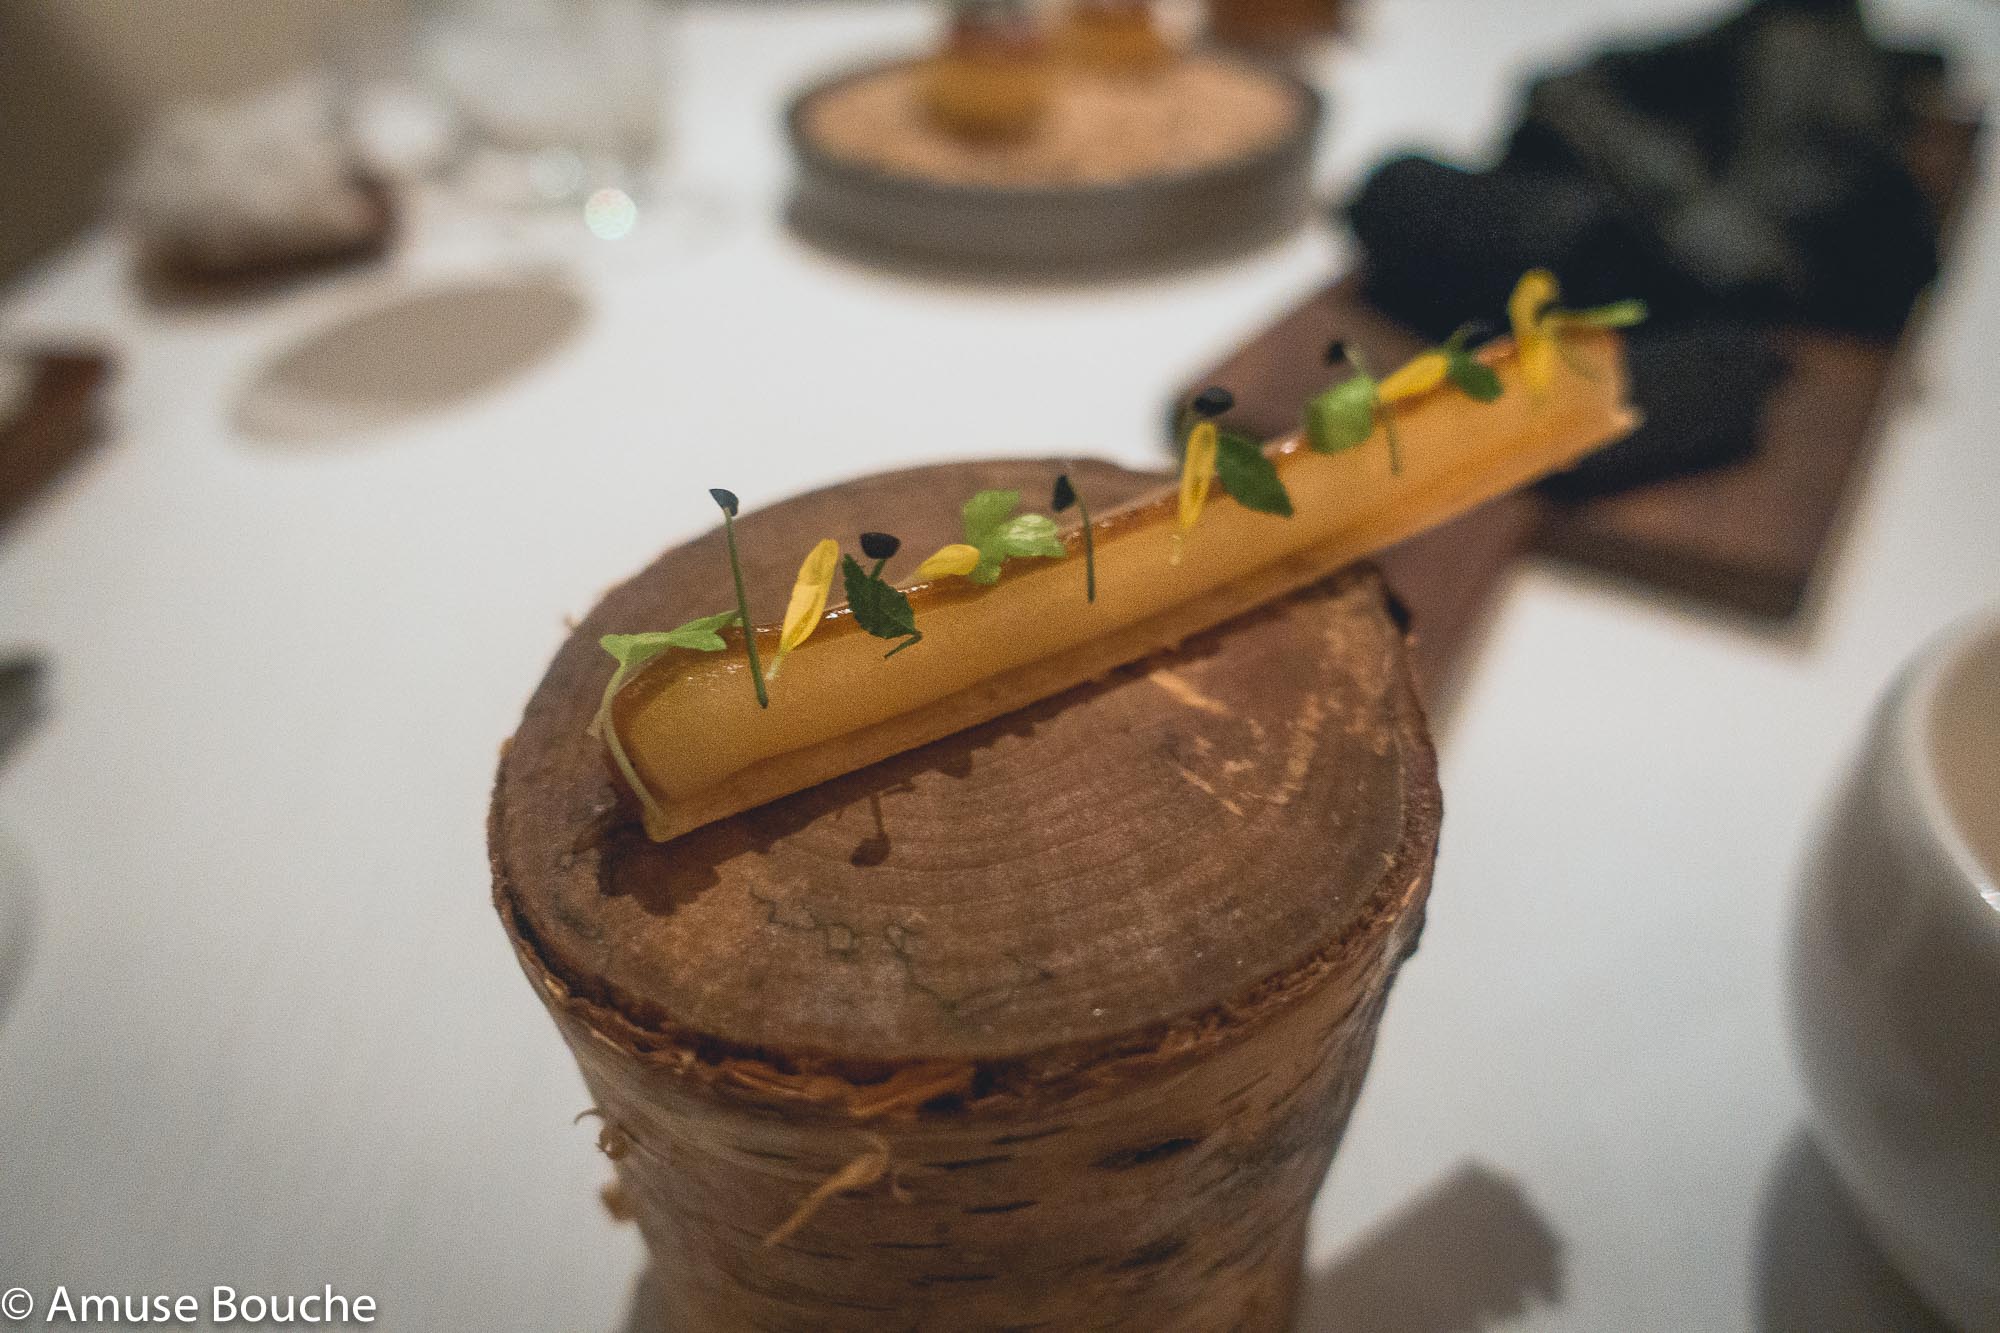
{"x":695,"y":735}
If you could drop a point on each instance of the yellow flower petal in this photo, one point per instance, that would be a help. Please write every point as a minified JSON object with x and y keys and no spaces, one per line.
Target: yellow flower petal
{"x":1537,"y":355}
{"x":1533,"y":295}
{"x":808,"y":602}
{"x":953,"y":561}
{"x":1197,"y":470}
{"x":1534,"y":338}
{"x":1420,"y":375}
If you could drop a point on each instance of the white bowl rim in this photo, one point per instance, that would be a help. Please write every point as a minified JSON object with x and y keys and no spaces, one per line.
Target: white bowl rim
{"x":1911,"y":724}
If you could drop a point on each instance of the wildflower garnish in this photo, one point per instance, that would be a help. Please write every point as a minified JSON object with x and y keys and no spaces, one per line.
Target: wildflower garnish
{"x":1538,"y":324}
{"x":633,"y":651}
{"x":999,"y":534}
{"x":1347,"y":414}
{"x":1616,"y":315}
{"x":808,"y":604}
{"x":1228,"y":456}
{"x":1474,"y":378}
{"x":954,"y":561}
{"x":1197,"y":470}
{"x":726,"y":501}
{"x":1450,"y":361}
{"x":1343,"y":416}
{"x":1065,"y":495}
{"x":1534,"y":336}
{"x":1419,"y":375}
{"x":1247,"y":476}
{"x":1250,"y":478}
{"x":878,"y":605}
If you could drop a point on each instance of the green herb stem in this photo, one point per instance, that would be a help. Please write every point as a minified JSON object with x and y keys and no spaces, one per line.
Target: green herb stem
{"x":743,"y":610}
{"x":1089,"y":549}
{"x":607,"y":728}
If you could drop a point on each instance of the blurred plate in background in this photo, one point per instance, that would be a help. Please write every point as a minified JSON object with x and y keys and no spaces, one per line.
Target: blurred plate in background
{"x":1137,"y":223}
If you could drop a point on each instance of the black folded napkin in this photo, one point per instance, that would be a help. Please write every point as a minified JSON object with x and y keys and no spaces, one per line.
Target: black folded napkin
{"x":1740,"y":178}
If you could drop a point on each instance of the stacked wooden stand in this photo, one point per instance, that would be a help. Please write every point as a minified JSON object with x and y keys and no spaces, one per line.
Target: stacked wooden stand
{"x":1053,"y":1024}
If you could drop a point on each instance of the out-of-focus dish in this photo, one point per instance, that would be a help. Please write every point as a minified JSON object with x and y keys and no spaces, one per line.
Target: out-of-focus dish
{"x":229,"y":196}
{"x":1896,"y":976}
{"x":1008,"y":146}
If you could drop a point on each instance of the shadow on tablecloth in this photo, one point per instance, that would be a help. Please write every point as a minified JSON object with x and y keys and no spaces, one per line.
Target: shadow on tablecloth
{"x":415,"y":354}
{"x":1817,"y":1269}
{"x":1466,"y":1255}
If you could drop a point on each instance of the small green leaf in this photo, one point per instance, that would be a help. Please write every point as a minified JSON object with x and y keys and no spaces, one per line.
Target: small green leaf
{"x":985,"y":512}
{"x":632,"y":651}
{"x":992,"y":526}
{"x":1617,"y":315}
{"x":635,"y":650}
{"x":1031,"y":534}
{"x":1474,"y":378}
{"x":1343,"y":416}
{"x":1249,"y":477}
{"x":878,"y":606}
{"x":704,"y":633}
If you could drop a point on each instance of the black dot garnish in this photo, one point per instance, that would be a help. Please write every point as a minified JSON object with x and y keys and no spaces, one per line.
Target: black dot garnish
{"x":879,"y":545}
{"x":727,"y":499}
{"x":1213,"y":401}
{"x":1065,"y":494}
{"x":1336,"y":352}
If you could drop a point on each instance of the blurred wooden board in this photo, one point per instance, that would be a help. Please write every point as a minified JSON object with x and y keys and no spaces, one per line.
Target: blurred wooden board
{"x":55,"y":425}
{"x":1749,"y":537}
{"x":1446,"y":578}
{"x":1752,"y":536}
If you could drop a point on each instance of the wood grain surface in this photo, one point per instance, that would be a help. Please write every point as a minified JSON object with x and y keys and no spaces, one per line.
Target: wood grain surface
{"x":1099,"y":981}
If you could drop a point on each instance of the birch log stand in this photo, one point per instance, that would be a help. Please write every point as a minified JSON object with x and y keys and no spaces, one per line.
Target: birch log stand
{"x":1061,"y":1017}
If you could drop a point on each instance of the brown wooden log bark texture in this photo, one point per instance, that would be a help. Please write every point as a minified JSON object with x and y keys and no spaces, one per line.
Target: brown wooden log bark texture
{"x":1078,"y":1001}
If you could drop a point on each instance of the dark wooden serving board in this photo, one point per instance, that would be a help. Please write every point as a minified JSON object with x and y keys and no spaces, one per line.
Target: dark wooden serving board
{"x":1749,"y":537}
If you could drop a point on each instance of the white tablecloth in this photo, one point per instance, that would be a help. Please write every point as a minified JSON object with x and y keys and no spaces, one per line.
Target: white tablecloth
{"x":270,"y":1034}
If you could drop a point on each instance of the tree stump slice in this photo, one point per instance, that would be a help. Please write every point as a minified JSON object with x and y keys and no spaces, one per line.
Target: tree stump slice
{"x":1076,"y":1003}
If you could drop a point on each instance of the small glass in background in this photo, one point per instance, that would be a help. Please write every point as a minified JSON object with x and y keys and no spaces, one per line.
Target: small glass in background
{"x":557,"y":102}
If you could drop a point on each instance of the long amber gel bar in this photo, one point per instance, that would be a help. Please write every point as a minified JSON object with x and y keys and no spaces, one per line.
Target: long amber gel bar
{"x":705,"y":750}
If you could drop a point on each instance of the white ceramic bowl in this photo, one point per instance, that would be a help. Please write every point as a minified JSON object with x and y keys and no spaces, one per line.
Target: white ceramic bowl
{"x":1895,"y":976}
